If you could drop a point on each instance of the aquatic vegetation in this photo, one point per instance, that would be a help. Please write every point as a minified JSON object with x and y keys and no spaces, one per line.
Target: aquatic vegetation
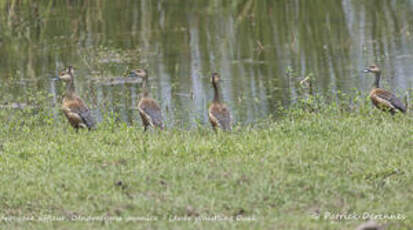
{"x":307,"y":149}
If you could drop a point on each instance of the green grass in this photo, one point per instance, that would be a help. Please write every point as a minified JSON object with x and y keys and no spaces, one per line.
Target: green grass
{"x":279,"y":173}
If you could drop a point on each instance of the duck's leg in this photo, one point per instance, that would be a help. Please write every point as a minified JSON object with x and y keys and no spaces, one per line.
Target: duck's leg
{"x":215,"y":129}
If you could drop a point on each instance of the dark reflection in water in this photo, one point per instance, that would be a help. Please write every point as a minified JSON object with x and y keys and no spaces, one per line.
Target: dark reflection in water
{"x":251,"y":43}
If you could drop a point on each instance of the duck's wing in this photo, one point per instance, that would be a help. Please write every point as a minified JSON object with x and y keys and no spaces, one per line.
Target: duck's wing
{"x":388,"y":99}
{"x":220,"y":114}
{"x":150,"y":109}
{"x":79,"y":107}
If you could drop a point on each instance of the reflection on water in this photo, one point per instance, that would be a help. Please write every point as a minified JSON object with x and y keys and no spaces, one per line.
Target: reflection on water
{"x":251,"y":43}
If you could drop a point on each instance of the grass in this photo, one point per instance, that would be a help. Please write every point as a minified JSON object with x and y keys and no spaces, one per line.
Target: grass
{"x":291,"y":173}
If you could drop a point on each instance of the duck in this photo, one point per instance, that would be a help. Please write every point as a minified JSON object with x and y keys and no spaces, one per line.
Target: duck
{"x":149,"y":110}
{"x":381,"y":98}
{"x":75,"y":109}
{"x":218,"y":113}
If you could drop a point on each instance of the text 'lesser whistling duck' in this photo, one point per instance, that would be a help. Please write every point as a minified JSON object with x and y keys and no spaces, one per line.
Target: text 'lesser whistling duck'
{"x":76,"y":111}
{"x":218,"y":113}
{"x":149,"y":109}
{"x":381,"y":98}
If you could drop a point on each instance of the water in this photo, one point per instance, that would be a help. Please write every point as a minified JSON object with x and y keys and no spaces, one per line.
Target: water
{"x":251,"y":43}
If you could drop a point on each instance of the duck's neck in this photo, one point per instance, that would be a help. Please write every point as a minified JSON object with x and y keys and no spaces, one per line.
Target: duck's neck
{"x":70,"y":89}
{"x":145,"y":92}
{"x":216,"y":92}
{"x":377,"y":81}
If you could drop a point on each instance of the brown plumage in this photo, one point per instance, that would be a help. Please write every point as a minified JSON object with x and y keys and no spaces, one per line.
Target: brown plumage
{"x":75,"y":110}
{"x":218,"y":113}
{"x":149,"y":110}
{"x":381,"y":98}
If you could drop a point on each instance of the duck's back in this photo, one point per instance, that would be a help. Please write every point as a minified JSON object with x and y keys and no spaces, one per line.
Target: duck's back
{"x":384,"y":99}
{"x":219,"y":115}
{"x":150,"y":112}
{"x":78,"y":113}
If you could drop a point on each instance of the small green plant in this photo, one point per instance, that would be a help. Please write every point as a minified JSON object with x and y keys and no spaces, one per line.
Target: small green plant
{"x":301,"y":164}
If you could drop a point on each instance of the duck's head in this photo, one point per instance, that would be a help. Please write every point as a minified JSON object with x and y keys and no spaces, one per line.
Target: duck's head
{"x":141,"y":73}
{"x":66,"y":75}
{"x":215,"y":78}
{"x":372,"y":69}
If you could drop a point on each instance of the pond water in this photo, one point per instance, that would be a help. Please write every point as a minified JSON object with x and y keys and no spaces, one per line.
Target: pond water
{"x":261,"y":48}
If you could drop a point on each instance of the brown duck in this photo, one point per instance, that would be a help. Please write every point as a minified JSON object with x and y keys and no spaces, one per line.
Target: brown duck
{"x":218,"y":113}
{"x":149,"y":110}
{"x":381,"y":98}
{"x":75,"y":110}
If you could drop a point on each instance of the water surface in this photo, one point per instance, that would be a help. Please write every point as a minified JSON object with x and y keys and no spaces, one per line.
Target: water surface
{"x":261,"y":49}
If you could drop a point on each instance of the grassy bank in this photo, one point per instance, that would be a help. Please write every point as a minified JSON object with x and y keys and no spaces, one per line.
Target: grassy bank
{"x":278,"y":174}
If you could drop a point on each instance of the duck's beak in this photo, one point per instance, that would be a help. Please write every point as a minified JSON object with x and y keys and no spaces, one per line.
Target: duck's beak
{"x":366,"y":70}
{"x":56,"y":79}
